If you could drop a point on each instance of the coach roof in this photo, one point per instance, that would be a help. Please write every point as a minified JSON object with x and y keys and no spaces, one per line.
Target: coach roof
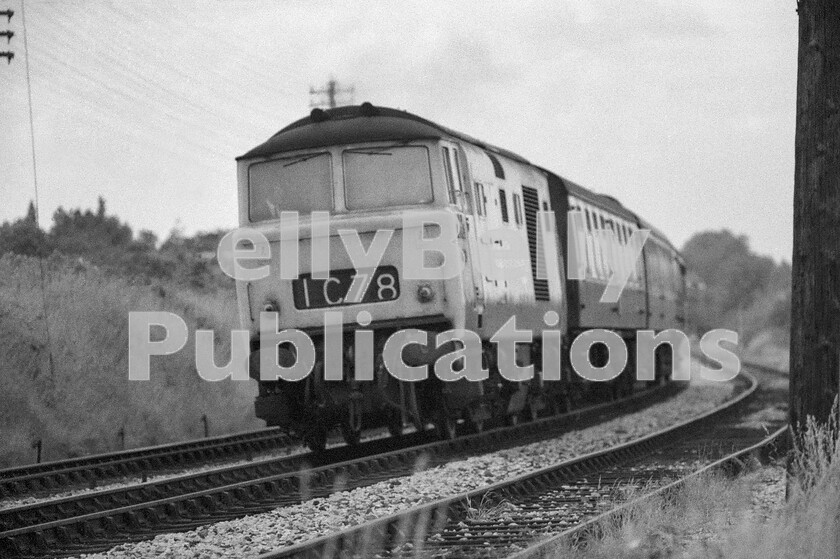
{"x":358,"y":124}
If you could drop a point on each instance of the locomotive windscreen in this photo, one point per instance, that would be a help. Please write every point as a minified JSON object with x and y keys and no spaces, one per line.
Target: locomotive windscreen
{"x":302,"y":183}
{"x":379,"y":178}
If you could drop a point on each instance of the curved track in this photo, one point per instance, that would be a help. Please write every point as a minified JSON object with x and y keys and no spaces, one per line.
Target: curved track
{"x":100,"y":520}
{"x":735,"y":462}
{"x":506,"y":517}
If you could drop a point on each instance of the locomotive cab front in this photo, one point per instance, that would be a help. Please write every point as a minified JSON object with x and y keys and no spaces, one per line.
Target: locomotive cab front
{"x":371,"y":237}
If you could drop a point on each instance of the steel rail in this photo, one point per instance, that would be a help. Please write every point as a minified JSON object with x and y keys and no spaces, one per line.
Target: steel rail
{"x":87,"y":470}
{"x":408,"y":532}
{"x":51,"y":510}
{"x":732,"y":464}
{"x":101,"y":526}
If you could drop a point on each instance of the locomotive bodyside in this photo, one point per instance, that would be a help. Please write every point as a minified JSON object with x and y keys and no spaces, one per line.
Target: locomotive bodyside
{"x":353,"y":174}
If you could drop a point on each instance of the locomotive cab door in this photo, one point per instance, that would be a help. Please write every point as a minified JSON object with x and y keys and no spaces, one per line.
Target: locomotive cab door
{"x":457,"y":176}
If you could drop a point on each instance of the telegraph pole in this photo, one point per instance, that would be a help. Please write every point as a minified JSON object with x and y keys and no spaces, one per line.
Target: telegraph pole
{"x":331,"y":92}
{"x":815,"y":315}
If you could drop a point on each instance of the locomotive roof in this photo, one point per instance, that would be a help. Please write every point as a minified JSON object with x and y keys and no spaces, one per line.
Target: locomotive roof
{"x":365,"y":123}
{"x":361,"y":123}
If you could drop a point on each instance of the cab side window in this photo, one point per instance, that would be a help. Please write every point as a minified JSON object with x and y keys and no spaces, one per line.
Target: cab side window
{"x":517,"y":209}
{"x":447,"y":170}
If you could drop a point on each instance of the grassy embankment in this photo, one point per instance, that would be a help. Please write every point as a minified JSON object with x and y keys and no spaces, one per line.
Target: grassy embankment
{"x":715,"y":516}
{"x":78,"y":405}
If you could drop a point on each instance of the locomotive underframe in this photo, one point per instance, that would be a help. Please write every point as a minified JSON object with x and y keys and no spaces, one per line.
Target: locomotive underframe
{"x":313,"y":406}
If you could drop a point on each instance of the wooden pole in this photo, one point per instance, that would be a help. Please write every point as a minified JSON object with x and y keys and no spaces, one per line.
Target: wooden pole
{"x":815,"y":315}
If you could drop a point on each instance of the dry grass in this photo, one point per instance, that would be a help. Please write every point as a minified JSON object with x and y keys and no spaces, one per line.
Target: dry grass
{"x":490,"y":507}
{"x":709,"y":517}
{"x":77,"y":404}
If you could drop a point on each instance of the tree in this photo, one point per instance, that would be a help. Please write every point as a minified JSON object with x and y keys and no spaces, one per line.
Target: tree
{"x":31,"y":216}
{"x":815,"y":308}
{"x":23,"y":236}
{"x":96,"y":236}
{"x":738,"y":284}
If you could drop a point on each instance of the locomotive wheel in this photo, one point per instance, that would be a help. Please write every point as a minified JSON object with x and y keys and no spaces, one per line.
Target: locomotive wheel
{"x":316,"y":439}
{"x":568,"y":402}
{"x":351,"y":436}
{"x":351,"y":427}
{"x":478,"y":425}
{"x":446,"y":425}
{"x":561,"y":404}
{"x":395,"y":425}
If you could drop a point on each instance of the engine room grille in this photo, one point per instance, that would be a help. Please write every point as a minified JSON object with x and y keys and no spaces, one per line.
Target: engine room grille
{"x":531,"y":201}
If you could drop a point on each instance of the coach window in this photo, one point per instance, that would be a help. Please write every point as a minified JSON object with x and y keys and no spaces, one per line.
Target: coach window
{"x":503,"y":204}
{"x":547,"y":217}
{"x":590,"y":243}
{"x":663,"y":271}
{"x":302,"y":183}
{"x":622,"y":246}
{"x":609,"y":225}
{"x":640,"y":273}
{"x":652,"y":269}
{"x":669,"y":270}
{"x":669,"y":280}
{"x":600,"y":258}
{"x":675,"y":276}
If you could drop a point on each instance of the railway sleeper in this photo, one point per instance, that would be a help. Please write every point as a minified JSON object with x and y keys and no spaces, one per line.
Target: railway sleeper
{"x":21,"y":545}
{"x":210,"y":503}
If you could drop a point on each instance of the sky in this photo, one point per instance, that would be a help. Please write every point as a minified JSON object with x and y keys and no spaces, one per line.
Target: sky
{"x":683,"y":110}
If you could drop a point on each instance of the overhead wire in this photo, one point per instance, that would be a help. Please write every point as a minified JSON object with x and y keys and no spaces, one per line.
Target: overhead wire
{"x":198,"y":66}
{"x":37,"y":199}
{"x":127,"y":76}
{"x":127,"y":88}
{"x":121,"y":83}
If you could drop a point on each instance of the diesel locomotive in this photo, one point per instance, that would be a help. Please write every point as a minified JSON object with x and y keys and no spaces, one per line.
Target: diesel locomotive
{"x":367,"y":169}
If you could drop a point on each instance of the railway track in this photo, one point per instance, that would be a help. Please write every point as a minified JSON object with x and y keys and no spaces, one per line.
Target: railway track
{"x":732,"y":463}
{"x":87,"y":471}
{"x":504,"y":518}
{"x":99,"y":520}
